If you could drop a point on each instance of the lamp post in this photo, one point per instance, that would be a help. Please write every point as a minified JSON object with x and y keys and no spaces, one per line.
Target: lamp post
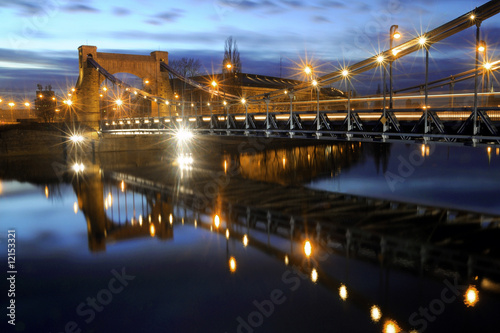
{"x":393,"y":34}
{"x":28,"y":106}
{"x":345,"y":74}
{"x":11,"y":104}
{"x":480,"y":47}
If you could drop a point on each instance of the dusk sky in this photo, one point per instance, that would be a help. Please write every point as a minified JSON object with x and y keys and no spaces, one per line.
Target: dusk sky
{"x":40,"y":38}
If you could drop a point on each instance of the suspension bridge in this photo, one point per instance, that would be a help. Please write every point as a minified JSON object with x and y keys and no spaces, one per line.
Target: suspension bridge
{"x":469,"y":117}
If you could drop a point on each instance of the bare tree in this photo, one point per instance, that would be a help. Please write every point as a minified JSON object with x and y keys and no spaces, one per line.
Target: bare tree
{"x":231,"y":67}
{"x":187,"y":67}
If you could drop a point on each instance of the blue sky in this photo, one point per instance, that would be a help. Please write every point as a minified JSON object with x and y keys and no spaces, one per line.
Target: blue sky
{"x":40,"y":38}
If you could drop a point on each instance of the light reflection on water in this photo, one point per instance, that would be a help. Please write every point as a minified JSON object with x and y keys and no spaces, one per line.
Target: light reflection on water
{"x":182,"y":268}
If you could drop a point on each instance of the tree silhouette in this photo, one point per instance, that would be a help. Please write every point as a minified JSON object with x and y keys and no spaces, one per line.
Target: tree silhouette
{"x":231,"y":67}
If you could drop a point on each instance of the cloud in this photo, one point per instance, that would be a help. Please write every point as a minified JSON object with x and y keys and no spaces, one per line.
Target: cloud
{"x":332,"y":4}
{"x":24,"y":7}
{"x":153,"y":22}
{"x":79,"y":8}
{"x":120,"y":11}
{"x":170,"y":16}
{"x":320,"y":19}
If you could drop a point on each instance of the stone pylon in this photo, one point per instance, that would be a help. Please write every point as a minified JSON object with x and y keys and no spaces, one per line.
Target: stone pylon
{"x":86,"y":102}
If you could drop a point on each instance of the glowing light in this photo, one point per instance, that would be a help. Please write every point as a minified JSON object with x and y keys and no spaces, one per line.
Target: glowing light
{"x":76,"y":138}
{"x":78,"y":167}
{"x":343,"y":292}
{"x":227,"y":233}
{"x":184,"y":135}
{"x":140,"y":220}
{"x":146,"y":81}
{"x":345,"y":72}
{"x":391,"y":326}
{"x":225,"y":166}
{"x":75,"y":207}
{"x":228,"y":65}
{"x":488,"y":150}
{"x":152,"y":230}
{"x":171,"y":218}
{"x":396,"y":35}
{"x":423,"y":150}
{"x":46,"y":191}
{"x":12,"y":104}
{"x":214,"y":84}
{"x":73,"y":89}
{"x":243,"y":101}
{"x":314,"y":275}
{"x":122,"y":186}
{"x":308,"y":70}
{"x":314,"y":83}
{"x":287,"y":261}
{"x":380,"y":59}
{"x":422,"y":40}
{"x":119,"y":102}
{"x":375,"y":313}
{"x":471,"y":296}
{"x":487,"y":65}
{"x":185,"y":161}
{"x":232,"y":264}
{"x":395,"y":52}
{"x":482,"y":46}
{"x":110,"y":199}
{"x":307,"y":248}
{"x":41,"y":96}
{"x":68,"y":102}
{"x":225,"y":103}
{"x":217,"y":221}
{"x":472,"y":16}
{"x":104,"y":89}
{"x":26,"y":104}
{"x":196,"y":224}
{"x":245,"y":240}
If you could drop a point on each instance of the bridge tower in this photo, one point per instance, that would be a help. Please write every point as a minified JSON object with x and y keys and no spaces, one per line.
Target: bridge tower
{"x":89,"y":80}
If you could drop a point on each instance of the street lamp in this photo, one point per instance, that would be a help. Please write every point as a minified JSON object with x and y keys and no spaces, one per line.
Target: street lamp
{"x":28,"y":106}
{"x":11,"y":104}
{"x":308,"y":70}
{"x":393,"y":34}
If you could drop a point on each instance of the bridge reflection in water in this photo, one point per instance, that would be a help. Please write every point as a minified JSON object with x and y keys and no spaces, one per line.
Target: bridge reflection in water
{"x":284,"y":223}
{"x":359,"y":249}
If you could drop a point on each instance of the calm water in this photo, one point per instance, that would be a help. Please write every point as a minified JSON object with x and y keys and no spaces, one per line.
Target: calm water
{"x":121,"y":245}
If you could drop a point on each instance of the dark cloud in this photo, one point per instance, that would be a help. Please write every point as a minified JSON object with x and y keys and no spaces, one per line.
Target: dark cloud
{"x":24,"y":7}
{"x":170,"y":16}
{"x":79,"y":8}
{"x":244,"y":4}
{"x":120,"y":11}
{"x":153,"y":22}
{"x":332,"y":4}
{"x":295,"y":4}
{"x":320,"y":19}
